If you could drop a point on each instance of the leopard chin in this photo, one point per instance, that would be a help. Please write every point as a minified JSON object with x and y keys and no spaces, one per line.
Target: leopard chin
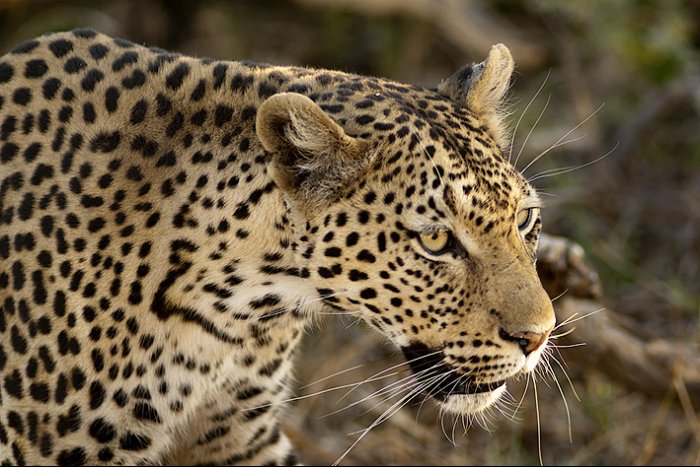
{"x":470,"y":404}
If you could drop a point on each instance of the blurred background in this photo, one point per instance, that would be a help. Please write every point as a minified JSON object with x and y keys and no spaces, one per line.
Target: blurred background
{"x":608,"y":94}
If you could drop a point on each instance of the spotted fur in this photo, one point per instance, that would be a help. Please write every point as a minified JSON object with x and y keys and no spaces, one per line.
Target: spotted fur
{"x":168,"y":226}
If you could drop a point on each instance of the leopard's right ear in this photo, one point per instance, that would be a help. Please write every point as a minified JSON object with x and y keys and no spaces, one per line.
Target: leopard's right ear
{"x":312,"y":158}
{"x":482,"y":88}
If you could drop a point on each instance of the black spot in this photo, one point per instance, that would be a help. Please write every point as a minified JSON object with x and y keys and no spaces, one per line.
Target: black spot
{"x":333,"y":252}
{"x":138,"y":112}
{"x":134,"y":442}
{"x":135,"y":296}
{"x":39,"y":392}
{"x":120,"y":398}
{"x":46,"y":445}
{"x":74,"y":65}
{"x":89,"y":201}
{"x":35,"y":68}
{"x":75,"y":456}
{"x":146,"y":412}
{"x":98,"y":51}
{"x":219,"y":75}
{"x":8,"y":152}
{"x":105,"y":455}
{"x":97,"y":395}
{"x":242,"y":212}
{"x":89,"y":115}
{"x":352,"y":239}
{"x":22,"y":96}
{"x":266,"y":90}
{"x":61,"y":47}
{"x":364,"y":119}
{"x":91,"y":79}
{"x":102,"y":431}
{"x":18,"y":277}
{"x":366,"y":256}
{"x":381,"y":242}
{"x":13,"y":384}
{"x":199,"y":117}
{"x":199,"y":91}
{"x":175,"y":125}
{"x":19,"y":343}
{"x":65,"y":114}
{"x":26,"y":208}
{"x":356,"y":275}
{"x":25,"y":47}
{"x":136,"y":79}
{"x":176,"y":77}
{"x":105,"y":142}
{"x":6,"y":72}
{"x":240,"y":83}
{"x":78,"y":378}
{"x":84,"y":33}
{"x":223,"y":115}
{"x":248,"y":113}
{"x":112,"y":99}
{"x":127,"y":58}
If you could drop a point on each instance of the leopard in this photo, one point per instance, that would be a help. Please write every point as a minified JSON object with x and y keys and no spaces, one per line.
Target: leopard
{"x":170,"y":225}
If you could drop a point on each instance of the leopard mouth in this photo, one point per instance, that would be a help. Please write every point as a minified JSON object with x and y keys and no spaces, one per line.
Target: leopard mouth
{"x":440,"y":380}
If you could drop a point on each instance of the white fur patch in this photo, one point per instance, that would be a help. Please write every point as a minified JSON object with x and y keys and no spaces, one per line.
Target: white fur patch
{"x":467,"y":404}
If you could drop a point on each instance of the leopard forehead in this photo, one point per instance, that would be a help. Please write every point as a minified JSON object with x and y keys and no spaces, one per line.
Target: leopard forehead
{"x":159,"y":260}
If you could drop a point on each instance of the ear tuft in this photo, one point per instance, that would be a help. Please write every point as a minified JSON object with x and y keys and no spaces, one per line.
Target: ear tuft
{"x":482,"y":87}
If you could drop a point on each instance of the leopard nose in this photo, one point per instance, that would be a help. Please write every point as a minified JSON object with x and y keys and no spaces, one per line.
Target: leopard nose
{"x":526,"y":340}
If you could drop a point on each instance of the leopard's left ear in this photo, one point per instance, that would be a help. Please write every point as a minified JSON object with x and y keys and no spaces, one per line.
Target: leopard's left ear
{"x":312,"y":158}
{"x":482,"y":88}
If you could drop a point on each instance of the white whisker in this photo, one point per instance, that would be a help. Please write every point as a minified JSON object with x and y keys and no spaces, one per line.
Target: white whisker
{"x":539,"y":117}
{"x":517,"y":124}
{"x":550,"y":173}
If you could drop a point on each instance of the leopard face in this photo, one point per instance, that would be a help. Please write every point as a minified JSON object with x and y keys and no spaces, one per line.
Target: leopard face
{"x":424,"y":229}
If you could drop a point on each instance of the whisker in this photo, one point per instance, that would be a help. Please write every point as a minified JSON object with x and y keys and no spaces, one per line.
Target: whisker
{"x":551,"y":148}
{"x":378,"y":421}
{"x":592,"y":114}
{"x":539,"y":429}
{"x":566,"y":375}
{"x":341,"y":372}
{"x":546,"y":173}
{"x":566,"y":404}
{"x":563,"y":334}
{"x":573,"y":319}
{"x":400,"y":364}
{"x":569,"y":346}
{"x":559,"y":296}
{"x":344,"y":386}
{"x":539,"y":117}
{"x":522,"y":398}
{"x":512,"y":139}
{"x":382,"y":391}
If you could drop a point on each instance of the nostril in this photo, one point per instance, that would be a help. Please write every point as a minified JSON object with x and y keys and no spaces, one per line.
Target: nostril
{"x":527,"y":341}
{"x":524,"y":343}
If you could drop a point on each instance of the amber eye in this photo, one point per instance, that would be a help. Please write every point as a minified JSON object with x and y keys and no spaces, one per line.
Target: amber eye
{"x":525,"y":219}
{"x":436,"y":242}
